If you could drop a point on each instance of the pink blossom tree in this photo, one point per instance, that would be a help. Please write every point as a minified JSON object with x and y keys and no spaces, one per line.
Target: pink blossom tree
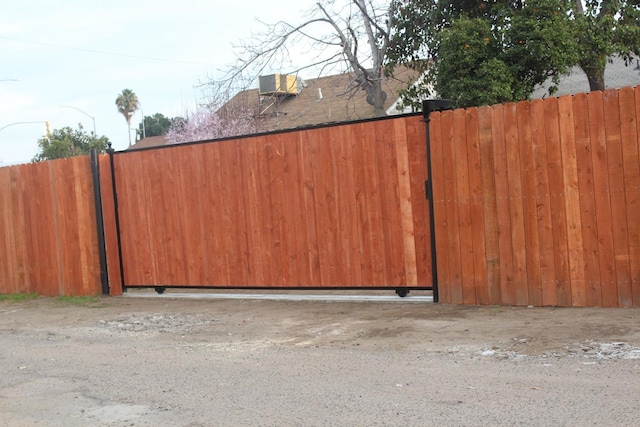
{"x":204,"y":124}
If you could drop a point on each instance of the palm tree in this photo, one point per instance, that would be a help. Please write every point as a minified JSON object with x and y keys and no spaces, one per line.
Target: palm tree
{"x":127,"y":103}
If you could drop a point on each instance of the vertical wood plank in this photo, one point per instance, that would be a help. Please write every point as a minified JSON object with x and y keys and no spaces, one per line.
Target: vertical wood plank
{"x":89,"y":281}
{"x":602,"y":191}
{"x":20,"y":224}
{"x":226,"y":266}
{"x":165,"y":206}
{"x":358,"y":148}
{"x":198,"y":232}
{"x":514,"y":173}
{"x":631,"y":160}
{"x":390,"y":205}
{"x":342,"y":157}
{"x":10,"y":281}
{"x":66,"y":209}
{"x":635,"y":286}
{"x":263,"y":223}
{"x":325,"y":207}
{"x":476,"y":201}
{"x":136,"y":247}
{"x":529,"y":205}
{"x":543,"y":204}
{"x":217,"y":268}
{"x":370,"y":154}
{"x":593,"y":288}
{"x":558,"y":214}
{"x":126,"y":212}
{"x":274,"y":153}
{"x":159,"y":205}
{"x":241,"y":235}
{"x":416,"y":146}
{"x":159,"y":209}
{"x":572,"y":201}
{"x":175,"y":207}
{"x":489,"y":204}
{"x":405,"y":206}
{"x":439,"y":200}
{"x":505,"y":243}
{"x":144,"y":230}
{"x":295,"y":185}
{"x":226,"y":191}
{"x":309,"y":149}
{"x":286,"y":221}
{"x":615,"y":161}
{"x":29,"y":173}
{"x":452,"y":201}
{"x":461,"y":168}
{"x":353,"y":234}
{"x":56,"y":283}
{"x":43,"y":229}
{"x":7,"y":280}
{"x":505,"y":240}
{"x":191,"y":185}
{"x":123,"y":188}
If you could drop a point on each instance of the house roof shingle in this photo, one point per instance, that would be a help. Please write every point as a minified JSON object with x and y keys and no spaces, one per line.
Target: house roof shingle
{"x":322,"y":100}
{"x":150,"y":141}
{"x":616,"y":75}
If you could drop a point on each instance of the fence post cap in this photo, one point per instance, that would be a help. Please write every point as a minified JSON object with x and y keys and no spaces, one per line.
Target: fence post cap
{"x":431,"y":105}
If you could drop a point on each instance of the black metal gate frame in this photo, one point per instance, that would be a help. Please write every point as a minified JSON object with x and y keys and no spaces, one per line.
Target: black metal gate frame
{"x":429,"y":106}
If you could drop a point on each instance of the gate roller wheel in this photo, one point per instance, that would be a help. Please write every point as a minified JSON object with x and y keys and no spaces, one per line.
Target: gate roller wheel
{"x":160,"y":290}
{"x":402,"y":292}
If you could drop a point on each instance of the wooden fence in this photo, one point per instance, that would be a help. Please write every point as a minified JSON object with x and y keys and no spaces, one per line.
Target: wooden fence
{"x":536,"y":203}
{"x":49,"y":242}
{"x":340,"y":206}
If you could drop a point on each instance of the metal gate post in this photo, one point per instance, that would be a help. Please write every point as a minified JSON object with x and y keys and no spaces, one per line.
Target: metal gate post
{"x":110,"y":151}
{"x":97,"y":199}
{"x":428,"y":107}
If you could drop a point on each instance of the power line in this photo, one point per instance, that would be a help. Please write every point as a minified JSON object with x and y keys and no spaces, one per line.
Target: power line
{"x":100,"y":52}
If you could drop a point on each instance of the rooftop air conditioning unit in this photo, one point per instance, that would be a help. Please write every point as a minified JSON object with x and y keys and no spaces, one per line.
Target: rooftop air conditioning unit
{"x":279,"y":85}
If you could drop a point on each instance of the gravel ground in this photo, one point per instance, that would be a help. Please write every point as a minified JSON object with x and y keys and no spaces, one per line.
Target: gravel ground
{"x":164,"y":361}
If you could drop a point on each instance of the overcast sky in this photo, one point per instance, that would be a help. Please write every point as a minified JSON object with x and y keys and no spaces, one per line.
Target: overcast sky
{"x":82,"y":54}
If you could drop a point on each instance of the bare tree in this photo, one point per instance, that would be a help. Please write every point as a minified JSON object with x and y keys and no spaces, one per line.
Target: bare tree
{"x":351,"y":34}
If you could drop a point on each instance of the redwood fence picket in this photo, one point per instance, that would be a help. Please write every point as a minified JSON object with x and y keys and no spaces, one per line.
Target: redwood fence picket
{"x":535,"y":203}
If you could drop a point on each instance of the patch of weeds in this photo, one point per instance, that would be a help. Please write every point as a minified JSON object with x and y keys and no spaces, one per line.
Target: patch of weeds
{"x":493,"y":311}
{"x":17,"y":297}
{"x":84,"y":301}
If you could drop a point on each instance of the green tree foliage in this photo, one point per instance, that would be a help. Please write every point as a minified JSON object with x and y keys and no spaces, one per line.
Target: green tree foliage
{"x":127,"y":103}
{"x":469,"y":71}
{"x":156,"y":125}
{"x":68,"y":142}
{"x":485,"y":51}
{"x":482,"y":62}
{"x":604,"y":28}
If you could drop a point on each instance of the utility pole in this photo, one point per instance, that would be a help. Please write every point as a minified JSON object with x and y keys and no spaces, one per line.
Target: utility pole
{"x":90,"y":116}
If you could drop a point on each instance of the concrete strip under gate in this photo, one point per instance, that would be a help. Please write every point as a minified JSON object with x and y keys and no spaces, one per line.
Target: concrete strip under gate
{"x":283,"y":297}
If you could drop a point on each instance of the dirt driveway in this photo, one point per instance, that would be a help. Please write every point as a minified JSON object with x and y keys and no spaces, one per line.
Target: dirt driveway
{"x":130,"y":361}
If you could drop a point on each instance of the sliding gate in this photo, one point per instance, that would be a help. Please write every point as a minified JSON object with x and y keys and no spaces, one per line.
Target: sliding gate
{"x":330,"y":207}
